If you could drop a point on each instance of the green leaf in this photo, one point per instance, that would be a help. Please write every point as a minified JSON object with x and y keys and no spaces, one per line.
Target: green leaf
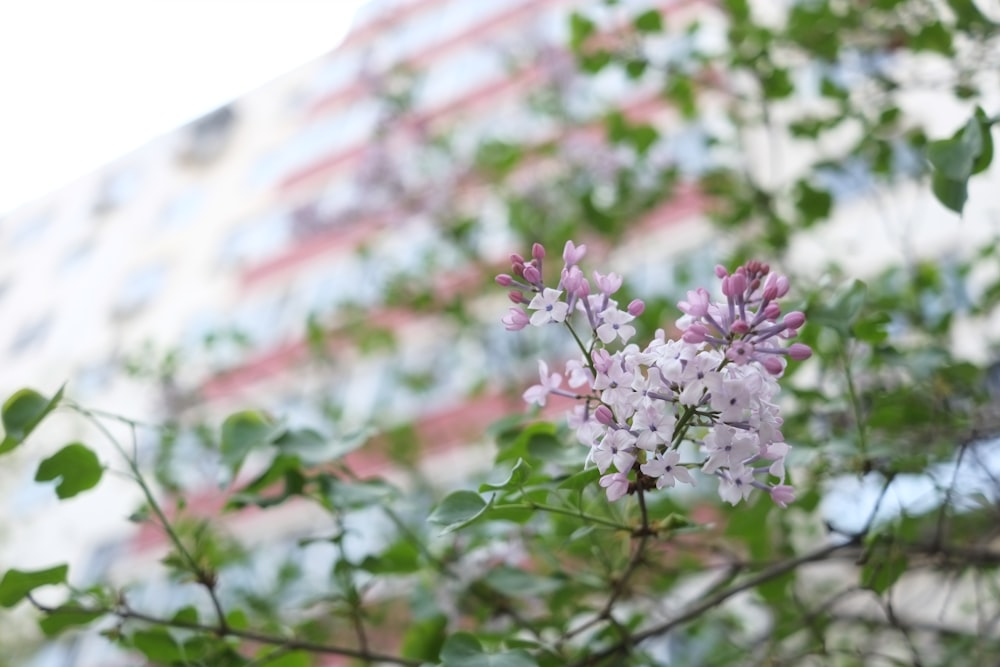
{"x":401,"y":557}
{"x":514,"y":582}
{"x":16,"y":584}
{"x":312,"y":447}
{"x":933,"y":37}
{"x":243,"y":432}
{"x":66,"y":616}
{"x":76,"y":465}
{"x":423,"y":640}
{"x":883,"y":570}
{"x":955,"y":157}
{"x":518,"y":476}
{"x":458,"y":509}
{"x":581,"y":480}
{"x":580,"y":28}
{"x":952,"y":194}
{"x":283,"y":659}
{"x":464,"y":650}
{"x":648,"y":22}
{"x":840,"y":312}
{"x":157,"y":645}
{"x":813,"y":204}
{"x":969,"y":151}
{"x":21,"y":413}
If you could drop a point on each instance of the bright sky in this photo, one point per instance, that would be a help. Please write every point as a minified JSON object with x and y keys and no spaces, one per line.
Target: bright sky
{"x":83,"y":82}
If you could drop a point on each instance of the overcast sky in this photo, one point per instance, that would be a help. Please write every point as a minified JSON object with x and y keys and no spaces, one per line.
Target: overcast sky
{"x":83,"y":82}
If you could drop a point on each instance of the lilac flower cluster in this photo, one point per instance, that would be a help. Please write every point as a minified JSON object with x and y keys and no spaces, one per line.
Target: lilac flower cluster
{"x":714,"y":388}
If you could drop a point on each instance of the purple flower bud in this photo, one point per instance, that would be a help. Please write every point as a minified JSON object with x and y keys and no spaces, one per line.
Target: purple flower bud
{"x":504,"y":280}
{"x":772,"y":364}
{"x":608,"y":284}
{"x":602,"y":360}
{"x":538,"y":251}
{"x":532,"y":274}
{"x":572,"y":277}
{"x":775,"y":287}
{"x":516,"y":259}
{"x":737,"y":284}
{"x":795,"y":319}
{"x":720,"y":271}
{"x":695,"y":334}
{"x":604,"y":415}
{"x":696,"y":304}
{"x":636,"y":307}
{"x":515,"y":319}
{"x":516,"y":296}
{"x":799,"y":351}
{"x":772,"y":311}
{"x":740,"y":327}
{"x":782,"y":494}
{"x":572,"y":254}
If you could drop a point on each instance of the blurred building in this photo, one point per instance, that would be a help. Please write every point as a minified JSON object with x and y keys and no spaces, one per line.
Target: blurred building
{"x":237,"y":262}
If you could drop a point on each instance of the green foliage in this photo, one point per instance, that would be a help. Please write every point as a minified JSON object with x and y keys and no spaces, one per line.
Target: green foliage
{"x":464,"y":650}
{"x":17,"y":584}
{"x":75,"y":466}
{"x":969,"y":151}
{"x":22,"y":412}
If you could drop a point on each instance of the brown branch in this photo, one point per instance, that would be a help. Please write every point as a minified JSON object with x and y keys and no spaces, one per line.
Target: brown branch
{"x":289,"y":644}
{"x":696,"y":610}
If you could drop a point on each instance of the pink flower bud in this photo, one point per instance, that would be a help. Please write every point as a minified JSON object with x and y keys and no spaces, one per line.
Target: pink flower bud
{"x":782,"y":494}
{"x":695,"y":334}
{"x":572,"y":254}
{"x":515,"y":319}
{"x":636,"y":307}
{"x":799,"y":351}
{"x":538,"y":251}
{"x":504,"y":280}
{"x":572,"y":277}
{"x":604,"y":415}
{"x":696,"y":304}
{"x":734,"y":284}
{"x":516,"y":259}
{"x":795,"y":319}
{"x":772,"y":311}
{"x":772,"y":364}
{"x":608,"y":284}
{"x":532,"y":274}
{"x":720,"y":271}
{"x":602,"y":360}
{"x":516,"y":296}
{"x":739,"y":327}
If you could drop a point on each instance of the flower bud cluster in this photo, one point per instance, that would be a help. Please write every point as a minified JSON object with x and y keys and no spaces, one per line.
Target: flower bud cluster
{"x":714,"y":388}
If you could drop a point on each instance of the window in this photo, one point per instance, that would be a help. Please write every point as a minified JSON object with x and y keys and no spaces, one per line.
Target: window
{"x":74,"y":260}
{"x":116,"y":190}
{"x":31,"y":335}
{"x":141,"y":287}
{"x":182,"y":209}
{"x":30,"y":230}
{"x":206,"y":138}
{"x":255,"y":240}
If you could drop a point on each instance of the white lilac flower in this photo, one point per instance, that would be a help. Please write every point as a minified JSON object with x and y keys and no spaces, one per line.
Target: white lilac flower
{"x":540,"y":392}
{"x":666,"y":469}
{"x":548,"y":307}
{"x":735,"y":484}
{"x":615,"y":325}
{"x":654,"y":426}
{"x":618,"y":448}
